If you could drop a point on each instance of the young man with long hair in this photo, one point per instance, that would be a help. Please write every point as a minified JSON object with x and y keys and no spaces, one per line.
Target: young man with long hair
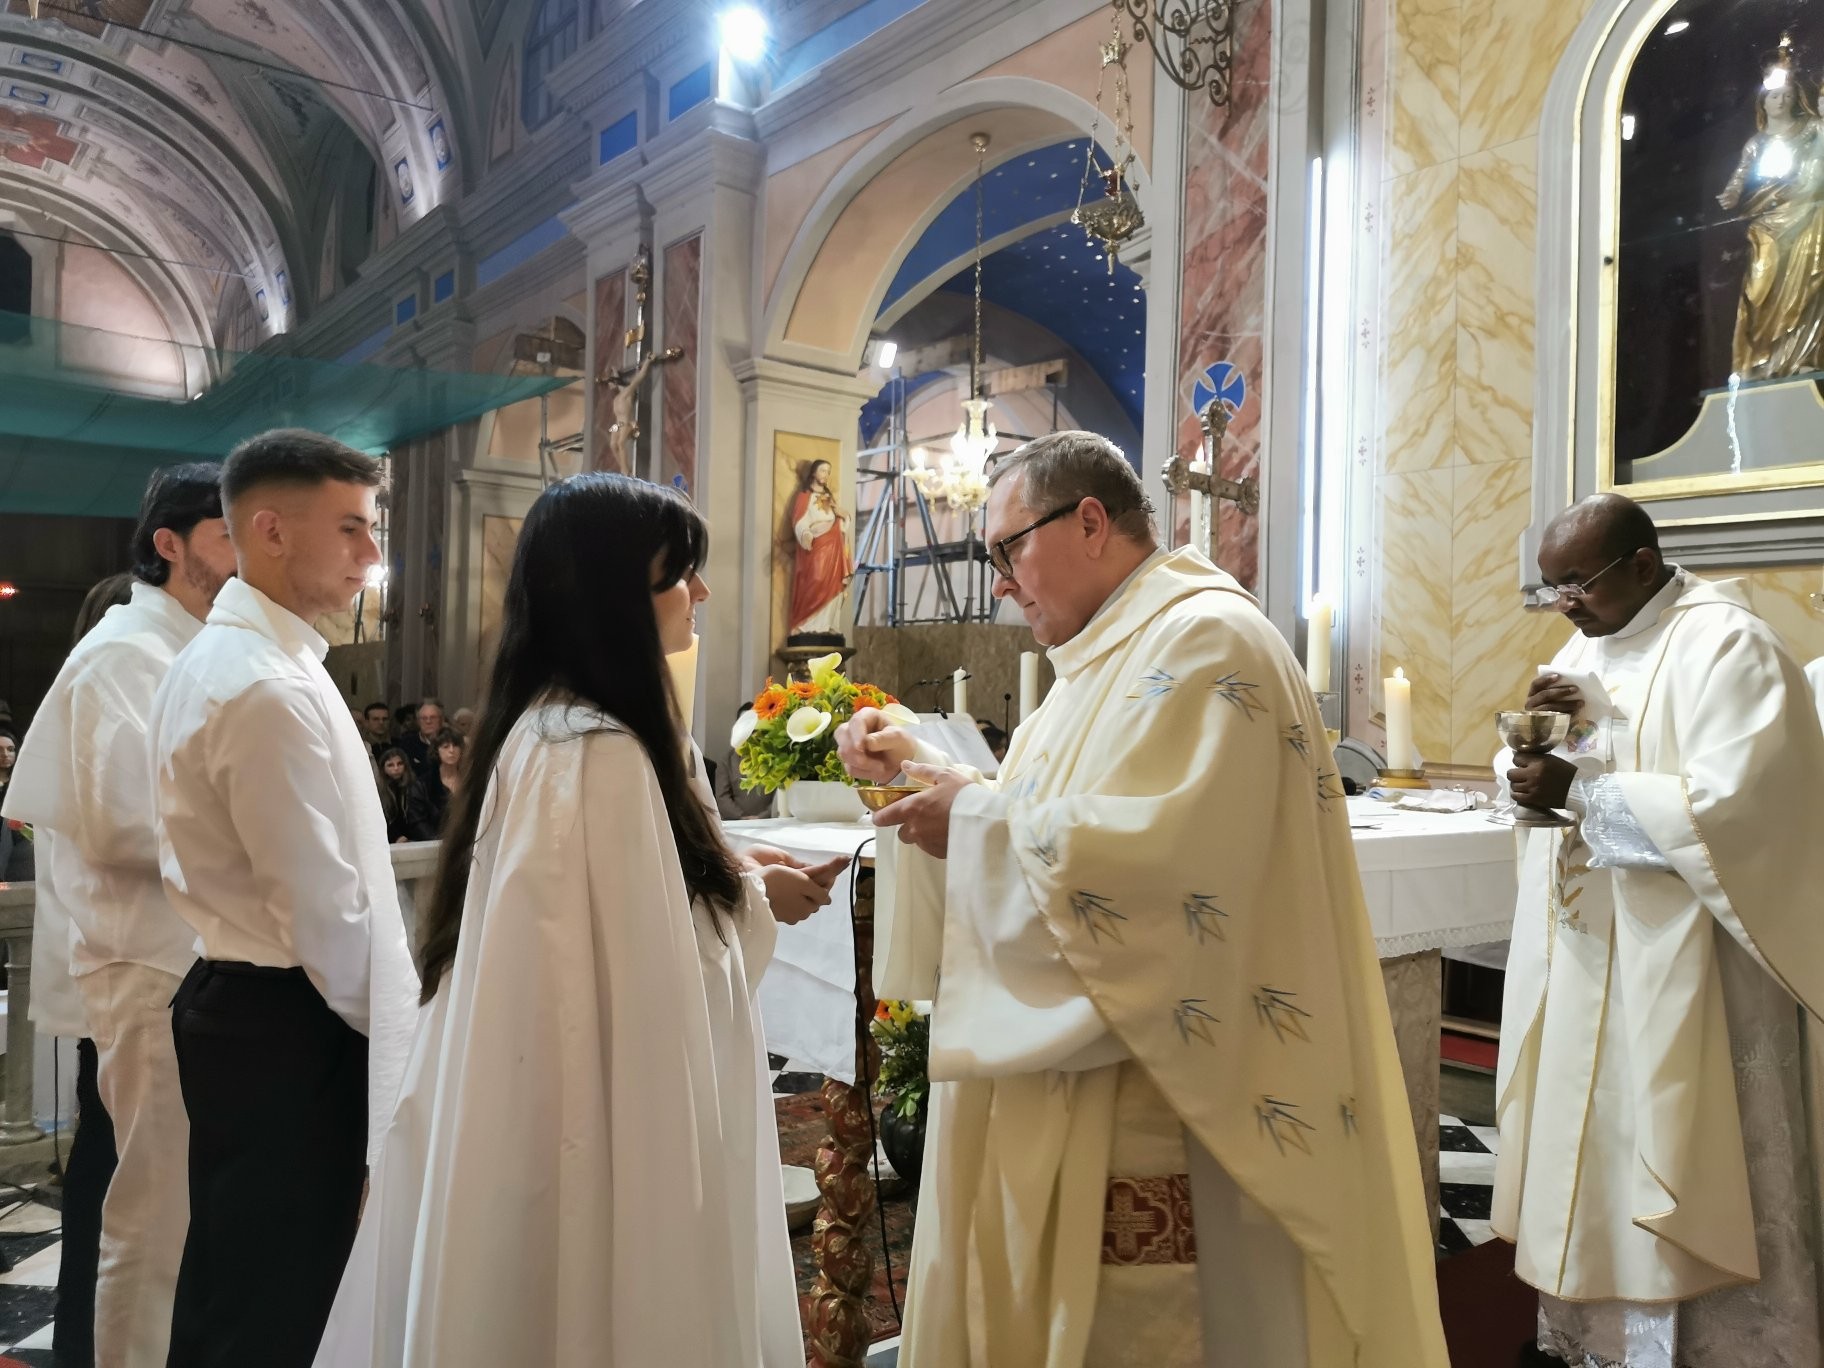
{"x":584,"y":1166}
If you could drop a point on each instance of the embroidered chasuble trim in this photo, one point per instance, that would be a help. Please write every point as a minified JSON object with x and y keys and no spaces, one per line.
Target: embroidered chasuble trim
{"x":1148,"y":1221}
{"x":1589,"y":1105}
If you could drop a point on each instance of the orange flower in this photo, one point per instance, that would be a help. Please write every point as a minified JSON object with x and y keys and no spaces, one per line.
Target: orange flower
{"x":803,"y":688}
{"x":882,"y":1012}
{"x":770,"y":703}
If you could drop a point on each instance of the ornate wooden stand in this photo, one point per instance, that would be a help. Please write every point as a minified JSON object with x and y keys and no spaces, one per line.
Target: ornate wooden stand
{"x":836,"y":1321}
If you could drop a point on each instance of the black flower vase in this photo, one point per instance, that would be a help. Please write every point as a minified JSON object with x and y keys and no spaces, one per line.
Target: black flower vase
{"x":903,"y":1139}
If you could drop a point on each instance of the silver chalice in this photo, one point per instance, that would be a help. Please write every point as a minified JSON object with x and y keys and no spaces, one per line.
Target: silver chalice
{"x":1534,"y":733}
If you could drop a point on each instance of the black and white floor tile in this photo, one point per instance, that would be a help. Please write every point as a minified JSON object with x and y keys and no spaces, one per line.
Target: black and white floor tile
{"x":30,"y":1244}
{"x":30,"y":1229}
{"x":1466,"y":1184}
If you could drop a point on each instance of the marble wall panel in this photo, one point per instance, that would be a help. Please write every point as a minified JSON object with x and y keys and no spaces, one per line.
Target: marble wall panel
{"x":1783,"y":598}
{"x":1225,"y":265}
{"x":1424,"y":68}
{"x":1510,"y":48}
{"x":610,"y":323}
{"x":1419,"y":334}
{"x":499,"y":539}
{"x":1497,"y":211}
{"x":1495,"y":645}
{"x":1416,"y":517}
{"x":681,"y":326}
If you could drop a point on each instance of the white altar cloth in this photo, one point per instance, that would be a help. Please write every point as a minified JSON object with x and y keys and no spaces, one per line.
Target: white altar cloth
{"x":1433,"y":881}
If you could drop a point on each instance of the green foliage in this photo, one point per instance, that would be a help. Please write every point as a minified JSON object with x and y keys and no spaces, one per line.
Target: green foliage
{"x":904,"y":1037}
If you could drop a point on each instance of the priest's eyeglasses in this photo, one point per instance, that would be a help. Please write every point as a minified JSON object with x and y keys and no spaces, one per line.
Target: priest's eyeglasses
{"x":1558,"y":597}
{"x":1000,"y":553}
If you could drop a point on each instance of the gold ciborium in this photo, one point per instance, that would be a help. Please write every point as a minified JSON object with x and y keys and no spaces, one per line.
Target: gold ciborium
{"x":1534,"y":733}
{"x":879,"y":797}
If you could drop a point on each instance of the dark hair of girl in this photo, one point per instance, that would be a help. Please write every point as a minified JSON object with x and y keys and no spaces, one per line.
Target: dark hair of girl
{"x":393,"y":793}
{"x":578,"y":618}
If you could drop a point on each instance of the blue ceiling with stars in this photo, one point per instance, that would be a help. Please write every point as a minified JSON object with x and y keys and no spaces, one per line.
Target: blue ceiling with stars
{"x":1055,"y":277}
{"x":1061,"y":282}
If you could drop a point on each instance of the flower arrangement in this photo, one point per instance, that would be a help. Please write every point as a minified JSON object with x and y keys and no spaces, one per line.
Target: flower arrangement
{"x":790,"y":733}
{"x":904,"y":1036}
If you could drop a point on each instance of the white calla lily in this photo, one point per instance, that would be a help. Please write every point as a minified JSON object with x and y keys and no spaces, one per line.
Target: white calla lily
{"x":899,"y":715}
{"x":807,"y":724}
{"x":823,"y":666}
{"x":744,"y":728}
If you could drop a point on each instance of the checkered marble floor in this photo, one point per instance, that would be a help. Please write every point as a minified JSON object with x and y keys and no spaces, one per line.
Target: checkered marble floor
{"x":30,"y":1229}
{"x":29,"y":1241}
{"x":1466,"y":1184}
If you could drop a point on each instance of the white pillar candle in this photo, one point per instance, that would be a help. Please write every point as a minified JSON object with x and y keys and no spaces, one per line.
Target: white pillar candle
{"x":1398,"y":709}
{"x":959,"y":691}
{"x":683,"y":667}
{"x":1317,"y":644}
{"x":1029,"y":684}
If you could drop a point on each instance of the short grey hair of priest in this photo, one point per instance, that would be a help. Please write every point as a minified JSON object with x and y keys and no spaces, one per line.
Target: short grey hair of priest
{"x":1068,"y":467}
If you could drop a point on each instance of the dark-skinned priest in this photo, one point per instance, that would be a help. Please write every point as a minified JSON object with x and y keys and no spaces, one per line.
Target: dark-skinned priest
{"x":1658,"y":1166}
{"x":1169,"y":1127}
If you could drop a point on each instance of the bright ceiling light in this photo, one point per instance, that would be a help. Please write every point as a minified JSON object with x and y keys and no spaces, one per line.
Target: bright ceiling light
{"x":376,"y":576}
{"x":1676,"y":27}
{"x":889,"y":353}
{"x":744,"y":33}
{"x":1627,"y":128}
{"x":1776,"y":79}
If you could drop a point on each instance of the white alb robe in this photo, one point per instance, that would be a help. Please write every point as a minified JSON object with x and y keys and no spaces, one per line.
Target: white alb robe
{"x":1655,"y":1171}
{"x":1155,"y":960}
{"x":1814,"y":676}
{"x":584,"y":1163}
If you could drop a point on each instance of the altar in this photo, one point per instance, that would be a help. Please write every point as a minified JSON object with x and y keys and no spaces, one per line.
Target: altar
{"x":1433,"y":882}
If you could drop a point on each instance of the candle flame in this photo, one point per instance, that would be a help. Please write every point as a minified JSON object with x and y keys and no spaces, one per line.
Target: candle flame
{"x":1399,"y":672}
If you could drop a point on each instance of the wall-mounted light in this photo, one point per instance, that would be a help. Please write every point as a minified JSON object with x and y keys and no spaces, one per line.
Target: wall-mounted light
{"x":881,"y":352}
{"x":8,"y":589}
{"x":1676,"y":27}
{"x":744,"y":33}
{"x":1628,"y":124}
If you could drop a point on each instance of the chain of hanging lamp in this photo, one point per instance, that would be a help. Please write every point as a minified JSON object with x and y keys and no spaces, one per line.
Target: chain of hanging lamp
{"x":959,"y":478}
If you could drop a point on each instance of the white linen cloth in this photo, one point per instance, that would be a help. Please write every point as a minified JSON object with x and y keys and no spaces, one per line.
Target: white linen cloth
{"x":584,"y":1165}
{"x":271,"y":837}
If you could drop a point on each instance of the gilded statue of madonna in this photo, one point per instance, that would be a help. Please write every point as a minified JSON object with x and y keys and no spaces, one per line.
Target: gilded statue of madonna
{"x":1779,"y":188}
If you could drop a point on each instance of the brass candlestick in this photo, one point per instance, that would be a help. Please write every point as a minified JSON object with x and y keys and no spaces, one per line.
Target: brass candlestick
{"x":1534,"y":733}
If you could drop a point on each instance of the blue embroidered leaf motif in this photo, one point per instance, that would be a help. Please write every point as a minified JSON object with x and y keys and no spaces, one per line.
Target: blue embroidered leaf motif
{"x":1155,"y":683}
{"x":1328,"y":788}
{"x":1044,"y":849}
{"x":1192,"y":1019}
{"x":1274,"y":1007}
{"x":1295,"y":737}
{"x":1203,"y":919}
{"x":1095,"y":914}
{"x":1282,"y":1127}
{"x":1239,"y":692}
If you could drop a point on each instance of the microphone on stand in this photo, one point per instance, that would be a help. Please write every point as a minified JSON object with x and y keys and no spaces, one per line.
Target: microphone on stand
{"x":1007,"y":713}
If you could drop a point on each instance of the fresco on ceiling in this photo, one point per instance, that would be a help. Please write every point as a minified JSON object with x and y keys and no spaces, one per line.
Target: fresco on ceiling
{"x":90,"y":16}
{"x":506,"y":112}
{"x":33,"y":140}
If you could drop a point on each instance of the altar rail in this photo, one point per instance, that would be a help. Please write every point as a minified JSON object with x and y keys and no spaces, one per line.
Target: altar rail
{"x":413,"y":866}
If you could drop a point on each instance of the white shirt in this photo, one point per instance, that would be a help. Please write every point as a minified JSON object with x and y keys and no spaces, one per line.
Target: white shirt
{"x":82,"y":777}
{"x":260,"y":800}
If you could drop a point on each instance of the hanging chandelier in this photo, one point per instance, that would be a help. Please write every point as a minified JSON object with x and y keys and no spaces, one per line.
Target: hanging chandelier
{"x":1194,"y":40}
{"x":959,"y":478}
{"x":1115,"y":218}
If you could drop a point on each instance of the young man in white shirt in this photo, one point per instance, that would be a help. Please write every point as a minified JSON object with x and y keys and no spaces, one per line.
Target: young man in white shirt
{"x":274,"y":849}
{"x":82,"y":781}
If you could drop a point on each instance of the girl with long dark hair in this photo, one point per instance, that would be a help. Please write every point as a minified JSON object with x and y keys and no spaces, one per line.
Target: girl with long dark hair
{"x":411,"y":813}
{"x":583,"y":1166}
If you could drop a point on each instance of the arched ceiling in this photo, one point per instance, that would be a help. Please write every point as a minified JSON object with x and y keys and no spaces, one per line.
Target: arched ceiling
{"x":210,"y":135}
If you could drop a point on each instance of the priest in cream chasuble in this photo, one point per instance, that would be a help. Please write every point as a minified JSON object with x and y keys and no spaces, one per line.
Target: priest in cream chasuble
{"x":1658,"y":1166}
{"x":1169,"y":1126}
